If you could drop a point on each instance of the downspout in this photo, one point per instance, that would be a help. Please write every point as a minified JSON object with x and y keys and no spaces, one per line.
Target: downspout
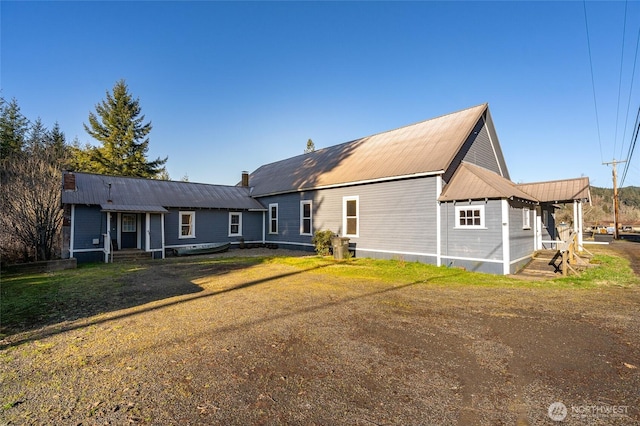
{"x":264,"y":235}
{"x":506,"y":248}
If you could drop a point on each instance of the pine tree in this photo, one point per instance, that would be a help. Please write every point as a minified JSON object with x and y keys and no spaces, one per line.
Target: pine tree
{"x":310,"y":147}
{"x":119,"y":126}
{"x":13,"y":129}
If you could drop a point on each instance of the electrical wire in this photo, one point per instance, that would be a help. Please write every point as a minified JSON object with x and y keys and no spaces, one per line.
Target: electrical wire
{"x":633,"y":74}
{"x":624,"y":28}
{"x":632,"y":147}
{"x":593,"y":84}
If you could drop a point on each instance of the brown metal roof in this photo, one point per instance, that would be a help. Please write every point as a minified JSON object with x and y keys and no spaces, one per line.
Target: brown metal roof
{"x":559,"y":191}
{"x":150,"y":195}
{"x":421,"y":148}
{"x":471,"y":182}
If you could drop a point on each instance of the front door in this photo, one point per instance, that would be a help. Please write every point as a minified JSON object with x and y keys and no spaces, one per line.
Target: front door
{"x":129,"y":230}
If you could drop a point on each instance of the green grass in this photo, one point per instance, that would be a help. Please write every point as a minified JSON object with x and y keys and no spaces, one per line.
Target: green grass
{"x":39,"y":299}
{"x":611,"y":271}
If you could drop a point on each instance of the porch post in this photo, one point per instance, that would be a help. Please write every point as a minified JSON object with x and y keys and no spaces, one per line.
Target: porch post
{"x":539,"y":230}
{"x":575,"y":216}
{"x":580,"y":226}
{"x":147,"y":232}
{"x":107,"y":239}
{"x":119,"y":234}
{"x":162,"y":232}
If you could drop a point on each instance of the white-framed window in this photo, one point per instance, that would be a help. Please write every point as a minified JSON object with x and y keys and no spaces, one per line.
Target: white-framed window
{"x":470,"y":217}
{"x":351,"y":216}
{"x":306,"y":215}
{"x":187,"y":225}
{"x":235,"y":224}
{"x":128,"y":223}
{"x":273,"y":218}
{"x":526,"y":218}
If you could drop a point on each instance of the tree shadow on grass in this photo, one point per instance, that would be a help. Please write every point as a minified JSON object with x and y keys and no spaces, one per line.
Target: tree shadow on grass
{"x":161,"y":304}
{"x":33,"y":304}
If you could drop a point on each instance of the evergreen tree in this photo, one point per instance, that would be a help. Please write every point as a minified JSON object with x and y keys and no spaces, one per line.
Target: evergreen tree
{"x":13,"y":129}
{"x":120,"y":127}
{"x":310,"y":147}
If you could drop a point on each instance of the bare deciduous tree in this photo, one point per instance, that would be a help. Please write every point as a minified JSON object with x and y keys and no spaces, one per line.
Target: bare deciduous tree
{"x":30,"y":203}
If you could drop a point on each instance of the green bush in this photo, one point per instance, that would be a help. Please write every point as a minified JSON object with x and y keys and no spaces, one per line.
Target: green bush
{"x":322,"y":242}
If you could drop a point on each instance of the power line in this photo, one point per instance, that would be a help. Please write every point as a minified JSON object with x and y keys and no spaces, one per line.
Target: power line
{"x":624,"y":28}
{"x":633,"y":73}
{"x":593,"y":84}
{"x":632,"y":146}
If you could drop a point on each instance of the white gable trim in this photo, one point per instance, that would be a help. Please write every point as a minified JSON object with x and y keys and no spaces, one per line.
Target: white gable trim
{"x":493,"y":148}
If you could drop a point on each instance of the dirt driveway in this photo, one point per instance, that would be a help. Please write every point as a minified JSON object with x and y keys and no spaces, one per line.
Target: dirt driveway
{"x":272,"y":344}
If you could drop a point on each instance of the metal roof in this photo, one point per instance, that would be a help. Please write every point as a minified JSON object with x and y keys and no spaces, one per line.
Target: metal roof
{"x":422,"y":148}
{"x":471,"y":182}
{"x":559,"y":191}
{"x":150,"y":195}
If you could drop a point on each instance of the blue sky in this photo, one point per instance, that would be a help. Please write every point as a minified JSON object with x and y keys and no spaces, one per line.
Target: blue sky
{"x":231,"y":86}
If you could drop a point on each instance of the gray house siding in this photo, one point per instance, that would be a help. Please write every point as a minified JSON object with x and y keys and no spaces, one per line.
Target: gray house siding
{"x":395,"y":218}
{"x":481,"y":152}
{"x":289,"y":225}
{"x":521,"y":238}
{"x":478,"y":250}
{"x":478,"y":150}
{"x":89,"y":223}
{"x":155,"y":232}
{"x":211,"y":226}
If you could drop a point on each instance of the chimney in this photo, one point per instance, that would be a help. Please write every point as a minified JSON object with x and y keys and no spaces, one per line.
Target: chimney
{"x":245,"y":178}
{"x":69,"y":181}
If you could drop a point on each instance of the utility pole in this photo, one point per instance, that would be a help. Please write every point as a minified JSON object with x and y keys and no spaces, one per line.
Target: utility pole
{"x":616,"y":209}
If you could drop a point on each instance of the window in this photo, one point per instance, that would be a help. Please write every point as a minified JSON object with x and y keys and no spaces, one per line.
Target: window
{"x":305,"y":218}
{"x":470,"y":217}
{"x":350,"y":222}
{"x":235,"y":224}
{"x":128,"y":223}
{"x":273,"y":218}
{"x":187,"y":225}
{"x":526,"y":218}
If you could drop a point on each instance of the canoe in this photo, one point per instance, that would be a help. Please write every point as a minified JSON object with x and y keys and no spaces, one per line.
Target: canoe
{"x":201,"y":249}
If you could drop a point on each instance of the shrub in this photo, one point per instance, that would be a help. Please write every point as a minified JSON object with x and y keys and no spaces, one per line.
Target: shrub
{"x":322,"y":242}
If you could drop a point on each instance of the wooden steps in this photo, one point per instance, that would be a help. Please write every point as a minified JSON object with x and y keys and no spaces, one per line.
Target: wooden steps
{"x":544,"y":265}
{"x":130,"y":255}
{"x":547,"y":264}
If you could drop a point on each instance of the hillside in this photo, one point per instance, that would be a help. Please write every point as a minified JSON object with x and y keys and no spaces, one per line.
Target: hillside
{"x":601,"y":209}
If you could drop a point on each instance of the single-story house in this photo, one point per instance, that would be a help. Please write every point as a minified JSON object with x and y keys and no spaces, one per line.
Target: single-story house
{"x":437,"y":191}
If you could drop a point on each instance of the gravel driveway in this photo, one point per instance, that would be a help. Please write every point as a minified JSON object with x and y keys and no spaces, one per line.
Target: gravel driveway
{"x":272,"y":344}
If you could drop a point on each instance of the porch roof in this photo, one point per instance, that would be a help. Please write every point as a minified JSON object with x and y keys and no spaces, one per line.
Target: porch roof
{"x":559,"y":191}
{"x":471,"y":182}
{"x":132,"y":208}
